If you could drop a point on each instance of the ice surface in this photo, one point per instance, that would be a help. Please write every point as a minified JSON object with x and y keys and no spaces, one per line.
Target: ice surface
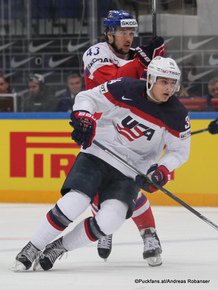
{"x":190,"y":251}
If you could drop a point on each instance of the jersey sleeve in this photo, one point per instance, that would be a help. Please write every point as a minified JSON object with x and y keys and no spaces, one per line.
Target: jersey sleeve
{"x":177,"y":147}
{"x":93,"y":100}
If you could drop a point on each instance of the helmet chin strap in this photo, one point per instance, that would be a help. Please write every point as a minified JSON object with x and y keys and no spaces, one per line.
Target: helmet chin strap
{"x":148,"y":91}
{"x":152,"y":98}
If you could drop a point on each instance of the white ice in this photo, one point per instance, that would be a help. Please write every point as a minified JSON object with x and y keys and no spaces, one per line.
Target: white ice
{"x":190,"y":251}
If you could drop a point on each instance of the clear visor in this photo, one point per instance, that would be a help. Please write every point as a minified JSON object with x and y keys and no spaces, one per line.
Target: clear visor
{"x":126,"y":32}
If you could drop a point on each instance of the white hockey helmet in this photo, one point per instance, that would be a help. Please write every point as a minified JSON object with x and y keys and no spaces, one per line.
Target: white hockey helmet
{"x":163,"y":67}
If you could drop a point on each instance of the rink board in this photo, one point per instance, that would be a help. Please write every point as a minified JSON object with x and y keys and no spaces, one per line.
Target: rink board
{"x":36,"y":152}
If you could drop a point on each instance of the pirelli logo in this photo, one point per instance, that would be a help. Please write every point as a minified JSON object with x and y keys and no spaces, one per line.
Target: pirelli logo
{"x":32,"y":153}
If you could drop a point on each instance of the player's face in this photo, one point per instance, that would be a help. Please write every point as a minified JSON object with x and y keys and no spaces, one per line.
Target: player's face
{"x":163,"y":89}
{"x":123,"y":38}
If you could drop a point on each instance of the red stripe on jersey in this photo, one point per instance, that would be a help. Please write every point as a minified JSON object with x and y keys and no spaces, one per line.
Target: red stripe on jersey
{"x":124,"y":132}
{"x":140,"y":113}
{"x":129,"y":134}
{"x":125,"y":135}
{"x":53,"y":224}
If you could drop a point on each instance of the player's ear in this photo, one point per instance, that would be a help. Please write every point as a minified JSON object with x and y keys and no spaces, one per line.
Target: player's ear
{"x":110,"y":37}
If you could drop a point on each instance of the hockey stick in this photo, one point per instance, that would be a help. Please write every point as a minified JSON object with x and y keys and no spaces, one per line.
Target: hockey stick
{"x":154,"y":17}
{"x":165,"y":191}
{"x":212,"y":128}
{"x":199,"y":131}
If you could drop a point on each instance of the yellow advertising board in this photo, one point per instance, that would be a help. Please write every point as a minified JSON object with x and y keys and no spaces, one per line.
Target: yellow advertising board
{"x":37,"y":154}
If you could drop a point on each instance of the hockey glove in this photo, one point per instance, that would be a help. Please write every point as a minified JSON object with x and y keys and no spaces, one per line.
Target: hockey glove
{"x":155,"y":47}
{"x":213,"y":127}
{"x":156,"y":174}
{"x":84,"y":125}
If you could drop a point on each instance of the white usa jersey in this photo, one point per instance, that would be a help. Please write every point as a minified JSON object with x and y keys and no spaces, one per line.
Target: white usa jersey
{"x":135,"y":128}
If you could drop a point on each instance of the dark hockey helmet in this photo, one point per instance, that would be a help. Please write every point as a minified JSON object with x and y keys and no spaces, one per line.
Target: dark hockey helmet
{"x":119,"y":18}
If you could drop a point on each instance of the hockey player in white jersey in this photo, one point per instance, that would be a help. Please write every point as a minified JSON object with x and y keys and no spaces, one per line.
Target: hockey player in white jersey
{"x":139,"y":119}
{"x":109,"y":60}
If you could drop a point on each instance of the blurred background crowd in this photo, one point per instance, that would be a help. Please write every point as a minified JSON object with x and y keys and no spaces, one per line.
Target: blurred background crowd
{"x":42,"y":43}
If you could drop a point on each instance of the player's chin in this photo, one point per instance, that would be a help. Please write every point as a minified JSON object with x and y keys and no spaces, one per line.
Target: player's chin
{"x":165,"y":98}
{"x":125,"y":50}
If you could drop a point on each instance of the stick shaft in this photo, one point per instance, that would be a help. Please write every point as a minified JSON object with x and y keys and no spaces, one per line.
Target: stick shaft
{"x":168,"y":193}
{"x":154,"y":17}
{"x":199,"y":131}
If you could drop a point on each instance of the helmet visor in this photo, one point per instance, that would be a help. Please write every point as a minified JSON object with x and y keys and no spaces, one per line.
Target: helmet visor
{"x":126,"y":32}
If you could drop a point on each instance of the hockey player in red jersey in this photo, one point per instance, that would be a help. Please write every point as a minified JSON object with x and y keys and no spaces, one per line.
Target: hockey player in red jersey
{"x":107,"y":61}
{"x":115,"y":58}
{"x":139,"y":118}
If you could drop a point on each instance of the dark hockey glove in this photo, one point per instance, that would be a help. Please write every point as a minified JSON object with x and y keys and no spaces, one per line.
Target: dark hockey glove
{"x":213,"y":127}
{"x":84,"y":125}
{"x":154,"y":47}
{"x":156,"y":174}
